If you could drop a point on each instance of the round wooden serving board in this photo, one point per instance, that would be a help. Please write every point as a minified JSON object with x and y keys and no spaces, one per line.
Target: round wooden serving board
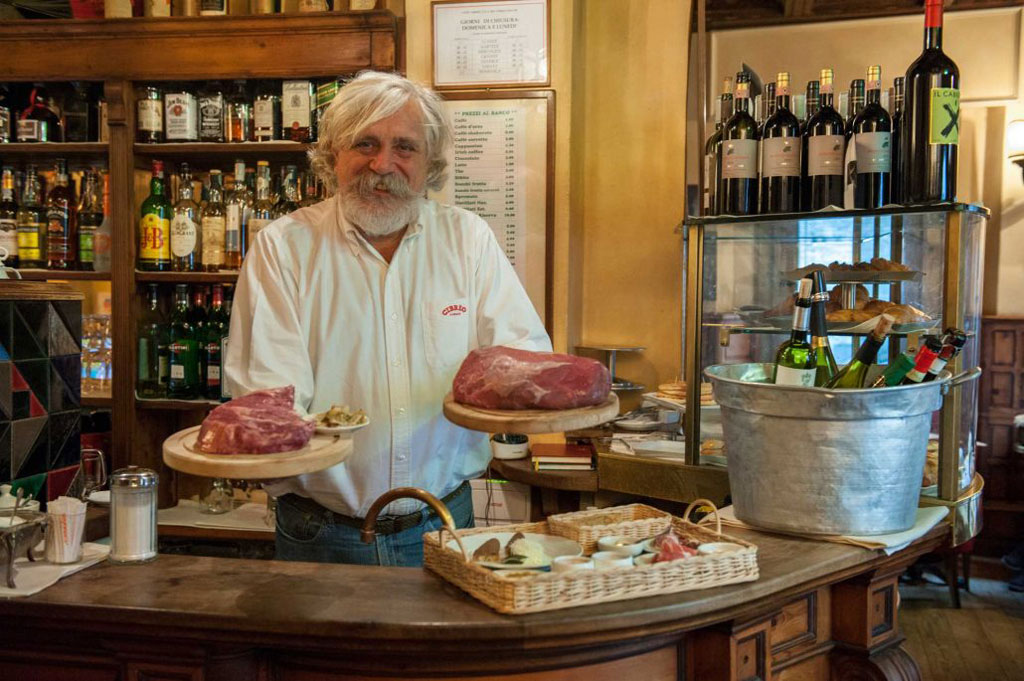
{"x":322,"y":451}
{"x":529,"y":421}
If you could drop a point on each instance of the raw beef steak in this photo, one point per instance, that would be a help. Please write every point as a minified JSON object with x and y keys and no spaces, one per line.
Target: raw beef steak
{"x":262,"y":422}
{"x":506,"y":378}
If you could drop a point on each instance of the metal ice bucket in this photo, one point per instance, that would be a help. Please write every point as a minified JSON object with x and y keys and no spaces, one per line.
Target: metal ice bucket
{"x":816,"y":461}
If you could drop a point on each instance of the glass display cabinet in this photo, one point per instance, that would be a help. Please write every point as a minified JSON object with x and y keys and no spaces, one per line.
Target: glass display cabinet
{"x":738,"y":297}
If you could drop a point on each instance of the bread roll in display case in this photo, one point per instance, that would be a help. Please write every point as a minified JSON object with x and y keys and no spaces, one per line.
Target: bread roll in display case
{"x":740,"y":275}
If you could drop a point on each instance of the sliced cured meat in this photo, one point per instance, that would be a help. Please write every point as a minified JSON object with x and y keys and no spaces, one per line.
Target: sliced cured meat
{"x":507,"y":378}
{"x":671,"y":548}
{"x":262,"y":422}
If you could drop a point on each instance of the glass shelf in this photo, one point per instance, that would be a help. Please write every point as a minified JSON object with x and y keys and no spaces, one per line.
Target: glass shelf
{"x":834,"y":214}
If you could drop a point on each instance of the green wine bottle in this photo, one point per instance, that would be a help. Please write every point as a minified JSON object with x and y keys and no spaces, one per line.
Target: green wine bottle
{"x":854,"y":374}
{"x":895,"y":372}
{"x":796,"y":360}
{"x":826,"y":361}
{"x":184,"y":381}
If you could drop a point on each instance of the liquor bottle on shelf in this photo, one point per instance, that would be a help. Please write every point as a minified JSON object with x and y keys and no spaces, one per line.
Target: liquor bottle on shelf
{"x":796,"y":360}
{"x":290,"y":200}
{"x":198,"y":315}
{"x":850,"y":160}
{"x":238,"y":117}
{"x":824,"y":144}
{"x":213,"y":8}
{"x":266,"y":112}
{"x":186,"y":244}
{"x":6,"y":118}
{"x":153,"y":360}
{"x":80,"y":115}
{"x":8,"y":218}
{"x":897,"y":140}
{"x":211,"y":112}
{"x":39,"y":122}
{"x":737,"y":161}
{"x":297,"y":121}
{"x":780,"y":155}
{"x":90,"y":217}
{"x":826,"y":366}
{"x":149,"y":114}
{"x":237,"y":210}
{"x":183,"y":350}
{"x":216,"y":330}
{"x":953,"y":342}
{"x":894,"y":372}
{"x":181,"y":115}
{"x":854,"y":374}
{"x":103,"y":240}
{"x":311,"y":188}
{"x":212,"y":225}
{"x":926,"y":355}
{"x":155,"y":225}
{"x":31,"y":223}
{"x":61,"y":222}
{"x":263,"y":208}
{"x":713,"y":147}
{"x":931,"y":128}
{"x":872,"y":127}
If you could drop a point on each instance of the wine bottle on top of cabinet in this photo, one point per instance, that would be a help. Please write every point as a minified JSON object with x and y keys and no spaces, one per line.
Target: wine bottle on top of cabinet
{"x":825,"y":144}
{"x":931,"y":127}
{"x":897,"y":139}
{"x":780,"y":155}
{"x":712,"y":147}
{"x":812,"y":102}
{"x":737,"y":158}
{"x":850,"y":161}
{"x":872,"y":128}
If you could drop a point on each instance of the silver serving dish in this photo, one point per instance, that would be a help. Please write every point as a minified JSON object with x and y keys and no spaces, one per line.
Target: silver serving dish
{"x":19,"y":539}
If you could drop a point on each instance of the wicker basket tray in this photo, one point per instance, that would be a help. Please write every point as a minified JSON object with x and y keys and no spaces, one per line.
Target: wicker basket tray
{"x":635,"y":521}
{"x":522,"y":591}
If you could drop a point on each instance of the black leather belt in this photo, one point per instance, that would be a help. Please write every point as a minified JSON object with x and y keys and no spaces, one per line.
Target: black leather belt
{"x":386,"y":525}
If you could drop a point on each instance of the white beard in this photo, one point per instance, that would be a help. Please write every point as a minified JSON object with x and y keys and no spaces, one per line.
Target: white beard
{"x":379,"y":219}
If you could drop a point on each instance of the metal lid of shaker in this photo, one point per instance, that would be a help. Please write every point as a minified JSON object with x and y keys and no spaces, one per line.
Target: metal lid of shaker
{"x":133,"y":477}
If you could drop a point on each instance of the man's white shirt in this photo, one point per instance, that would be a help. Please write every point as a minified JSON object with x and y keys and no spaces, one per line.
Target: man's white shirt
{"x":318,"y":308}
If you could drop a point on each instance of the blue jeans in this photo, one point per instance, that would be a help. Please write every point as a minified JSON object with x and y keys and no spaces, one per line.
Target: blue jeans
{"x":316,"y":537}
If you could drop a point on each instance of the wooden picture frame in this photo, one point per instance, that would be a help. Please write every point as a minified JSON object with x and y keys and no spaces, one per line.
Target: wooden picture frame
{"x":490,"y":43}
{"x":535,"y":180}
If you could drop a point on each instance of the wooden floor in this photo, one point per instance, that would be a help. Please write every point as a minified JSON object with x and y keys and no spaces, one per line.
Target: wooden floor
{"x":983,"y":641}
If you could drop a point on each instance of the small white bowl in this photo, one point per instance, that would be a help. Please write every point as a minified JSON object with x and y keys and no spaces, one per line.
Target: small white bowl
{"x":571,"y":564}
{"x":620,"y":543}
{"x":609,"y":560}
{"x":718,"y":547}
{"x":510,"y":446}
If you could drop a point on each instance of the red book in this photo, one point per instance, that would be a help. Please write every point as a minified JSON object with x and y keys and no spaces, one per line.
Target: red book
{"x":553,"y":452}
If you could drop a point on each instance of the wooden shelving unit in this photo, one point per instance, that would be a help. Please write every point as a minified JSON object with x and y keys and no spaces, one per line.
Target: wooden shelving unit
{"x":63,"y":275}
{"x":191,"y":49}
{"x":97,"y":401}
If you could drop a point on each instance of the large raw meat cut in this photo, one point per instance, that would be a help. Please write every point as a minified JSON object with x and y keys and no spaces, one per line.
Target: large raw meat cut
{"x":506,"y":378}
{"x":262,"y":422}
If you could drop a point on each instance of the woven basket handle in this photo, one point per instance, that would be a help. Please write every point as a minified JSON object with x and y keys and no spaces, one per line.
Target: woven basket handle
{"x":707,"y":502}
{"x":458,"y":540}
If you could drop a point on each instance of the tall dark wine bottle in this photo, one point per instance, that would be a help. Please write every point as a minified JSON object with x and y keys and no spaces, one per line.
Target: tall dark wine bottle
{"x":812,"y":102}
{"x":737,"y":157}
{"x":712,"y":147}
{"x":856,"y":100}
{"x":826,"y":366}
{"x":897,"y":140}
{"x":824,"y":147}
{"x":780,"y":155}
{"x":931,"y":122}
{"x":872,"y":130}
{"x":767,"y":105}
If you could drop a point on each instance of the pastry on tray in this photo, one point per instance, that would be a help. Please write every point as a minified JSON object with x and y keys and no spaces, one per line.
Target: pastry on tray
{"x":847,"y":316}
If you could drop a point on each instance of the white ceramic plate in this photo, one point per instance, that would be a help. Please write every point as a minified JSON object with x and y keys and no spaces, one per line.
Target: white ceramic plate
{"x":340,"y":430}
{"x":101,"y":497}
{"x":553,"y":547}
{"x":638,"y":425}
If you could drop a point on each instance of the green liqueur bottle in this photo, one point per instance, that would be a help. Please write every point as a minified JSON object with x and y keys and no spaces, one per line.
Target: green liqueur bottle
{"x":854,"y":374}
{"x":183,"y":382}
{"x":825,"y":360}
{"x":155,"y":225}
{"x":895,"y":371}
{"x":153,"y":367}
{"x":90,"y":217}
{"x":796,"y":360}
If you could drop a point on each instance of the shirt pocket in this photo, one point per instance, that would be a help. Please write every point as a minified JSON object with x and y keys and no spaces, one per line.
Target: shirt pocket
{"x":446,"y":332}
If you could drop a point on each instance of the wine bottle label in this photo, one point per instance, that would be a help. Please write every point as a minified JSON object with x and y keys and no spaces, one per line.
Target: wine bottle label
{"x":211,"y":7}
{"x":709,"y":179}
{"x":154,"y":237}
{"x":149,"y":117}
{"x":263,"y":115}
{"x":58,"y":247}
{"x":874,"y":152}
{"x":180,"y":113}
{"x":825,"y":155}
{"x":850,"y":163}
{"x":211,"y":117}
{"x":944,"y":123}
{"x":9,"y":237}
{"x":233,"y":229}
{"x":85,"y":246}
{"x":739,"y":159}
{"x":31,"y":130}
{"x":28,"y":241}
{"x":295,"y":104}
{"x":255,"y":225}
{"x":213,"y":240}
{"x":5,"y":124}
{"x":789,"y":376}
{"x":780,"y":157}
{"x":184,"y":236}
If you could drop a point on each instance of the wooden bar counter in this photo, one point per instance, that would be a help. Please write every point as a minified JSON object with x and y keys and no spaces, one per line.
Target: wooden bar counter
{"x":818,"y":611}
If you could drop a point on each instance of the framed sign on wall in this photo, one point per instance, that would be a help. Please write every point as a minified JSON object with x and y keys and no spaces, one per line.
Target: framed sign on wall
{"x":490,"y":43}
{"x":502,"y":169}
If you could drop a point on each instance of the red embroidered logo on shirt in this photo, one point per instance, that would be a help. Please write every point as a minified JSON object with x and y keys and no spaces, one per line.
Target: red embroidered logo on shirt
{"x":454,"y":311}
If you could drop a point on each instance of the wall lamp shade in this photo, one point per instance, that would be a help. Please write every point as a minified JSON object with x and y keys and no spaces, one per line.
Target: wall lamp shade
{"x":1015,"y":142}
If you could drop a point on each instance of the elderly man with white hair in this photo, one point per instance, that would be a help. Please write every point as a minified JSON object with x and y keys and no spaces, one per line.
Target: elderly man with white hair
{"x":373,"y":298}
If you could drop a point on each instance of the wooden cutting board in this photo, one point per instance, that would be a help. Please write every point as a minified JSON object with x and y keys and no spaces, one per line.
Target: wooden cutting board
{"x":529,"y":421}
{"x":321,"y":452}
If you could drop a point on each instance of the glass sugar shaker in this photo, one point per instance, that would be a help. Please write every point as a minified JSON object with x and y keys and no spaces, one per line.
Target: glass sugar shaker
{"x":133,"y":495}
